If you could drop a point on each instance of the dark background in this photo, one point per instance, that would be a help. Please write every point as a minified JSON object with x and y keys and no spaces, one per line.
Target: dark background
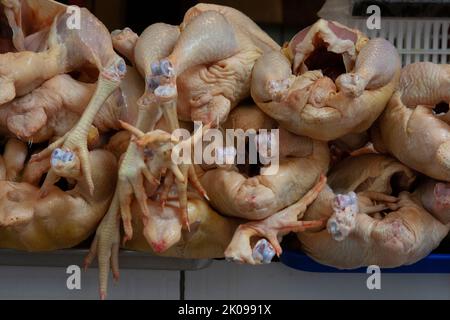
{"x":274,"y":15}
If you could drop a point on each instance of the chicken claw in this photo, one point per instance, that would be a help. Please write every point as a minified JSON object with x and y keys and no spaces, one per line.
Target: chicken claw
{"x":106,"y":246}
{"x":132,"y":175}
{"x":76,"y":141}
{"x":159,"y":145}
{"x":270,"y":230}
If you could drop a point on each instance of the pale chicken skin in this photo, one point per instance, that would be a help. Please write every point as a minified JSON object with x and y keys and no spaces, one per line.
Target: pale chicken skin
{"x":209,"y":236}
{"x":366,"y":225}
{"x":413,"y":128}
{"x":326,"y":87}
{"x":330,"y":81}
{"x":59,"y":220}
{"x":54,"y":108}
{"x":407,"y":234}
{"x":238,"y":194}
{"x":69,"y":49}
{"x":212,"y":73}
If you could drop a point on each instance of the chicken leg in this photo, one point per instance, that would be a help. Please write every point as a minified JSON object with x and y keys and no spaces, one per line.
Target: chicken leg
{"x":161,"y":144}
{"x":270,"y":230}
{"x":205,"y":39}
{"x":329,"y":82}
{"x":98,"y":50}
{"x":13,"y":13}
{"x":156,"y":42}
{"x":106,"y":246}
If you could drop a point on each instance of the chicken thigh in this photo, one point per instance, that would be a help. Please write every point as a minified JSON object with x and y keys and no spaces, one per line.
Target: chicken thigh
{"x":415,"y":126}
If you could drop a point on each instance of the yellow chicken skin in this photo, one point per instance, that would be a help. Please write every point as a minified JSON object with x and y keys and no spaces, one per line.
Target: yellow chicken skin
{"x":60,"y":219}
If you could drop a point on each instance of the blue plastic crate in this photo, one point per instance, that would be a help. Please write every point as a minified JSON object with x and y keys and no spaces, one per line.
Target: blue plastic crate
{"x":434,"y":263}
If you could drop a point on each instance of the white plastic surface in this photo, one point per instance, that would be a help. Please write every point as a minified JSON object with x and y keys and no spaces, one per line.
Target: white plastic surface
{"x":415,"y":39}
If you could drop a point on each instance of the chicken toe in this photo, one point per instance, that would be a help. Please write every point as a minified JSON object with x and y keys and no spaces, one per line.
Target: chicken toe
{"x":271,"y":230}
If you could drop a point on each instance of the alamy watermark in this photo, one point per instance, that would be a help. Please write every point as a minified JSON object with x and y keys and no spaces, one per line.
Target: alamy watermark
{"x":374,"y":20}
{"x":374,"y":280}
{"x":73,"y":282}
{"x":230,"y":147}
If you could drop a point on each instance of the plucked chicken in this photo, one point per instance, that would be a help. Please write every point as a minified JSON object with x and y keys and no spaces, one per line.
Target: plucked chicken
{"x":63,"y":218}
{"x":367,"y":224}
{"x":306,"y":159}
{"x":238,"y":192}
{"x":415,"y":126}
{"x":330,"y":81}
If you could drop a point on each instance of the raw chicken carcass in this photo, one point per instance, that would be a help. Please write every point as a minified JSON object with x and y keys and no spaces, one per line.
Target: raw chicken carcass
{"x":405,"y":232}
{"x":210,"y":67}
{"x":54,"y":108}
{"x":372,"y":173}
{"x":367,"y":225}
{"x":239,"y":193}
{"x":329,"y":82}
{"x":415,"y":125}
{"x":68,"y":50}
{"x":209,"y":235}
{"x":161,"y":227}
{"x":62,"y":219}
{"x":259,"y":241}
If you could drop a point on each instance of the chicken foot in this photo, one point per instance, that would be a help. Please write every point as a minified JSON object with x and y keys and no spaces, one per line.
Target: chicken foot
{"x":132,"y":172}
{"x":159,"y":145}
{"x":105,"y":246}
{"x":75,"y":141}
{"x":156,"y":42}
{"x":270,"y":230}
{"x":347,"y":206}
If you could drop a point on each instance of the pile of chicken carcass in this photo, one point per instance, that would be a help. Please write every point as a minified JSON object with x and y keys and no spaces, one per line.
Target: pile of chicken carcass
{"x":86,"y":119}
